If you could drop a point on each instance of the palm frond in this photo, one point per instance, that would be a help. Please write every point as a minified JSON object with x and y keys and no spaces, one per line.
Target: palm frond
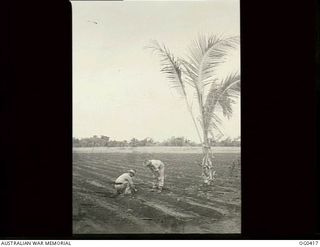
{"x":215,"y":125}
{"x":230,"y":86}
{"x":222,"y":97}
{"x":225,"y":104}
{"x":170,"y":66}
{"x":206,"y":54}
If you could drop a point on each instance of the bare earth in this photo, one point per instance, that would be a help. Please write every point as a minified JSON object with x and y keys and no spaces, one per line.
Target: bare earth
{"x":183,"y":207}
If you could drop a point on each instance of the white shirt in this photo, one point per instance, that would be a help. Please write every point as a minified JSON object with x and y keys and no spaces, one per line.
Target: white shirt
{"x":157,"y":166}
{"x":125,"y":177}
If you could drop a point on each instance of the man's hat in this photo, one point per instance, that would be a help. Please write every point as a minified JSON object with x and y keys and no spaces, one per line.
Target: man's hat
{"x":132,"y":171}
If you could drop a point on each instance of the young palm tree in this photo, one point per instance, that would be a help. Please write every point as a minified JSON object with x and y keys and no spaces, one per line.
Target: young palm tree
{"x":199,"y":73}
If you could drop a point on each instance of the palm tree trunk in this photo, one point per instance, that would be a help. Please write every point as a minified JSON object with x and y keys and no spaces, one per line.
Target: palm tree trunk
{"x":207,"y":167}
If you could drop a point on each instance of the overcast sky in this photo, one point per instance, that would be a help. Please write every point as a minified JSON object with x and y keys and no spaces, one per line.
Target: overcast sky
{"x":118,"y":89}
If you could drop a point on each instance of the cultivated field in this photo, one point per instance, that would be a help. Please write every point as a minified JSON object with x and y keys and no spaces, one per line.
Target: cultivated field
{"x":183,"y":207}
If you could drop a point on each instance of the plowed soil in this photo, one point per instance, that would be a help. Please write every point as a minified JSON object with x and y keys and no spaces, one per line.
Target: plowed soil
{"x":184,"y":206}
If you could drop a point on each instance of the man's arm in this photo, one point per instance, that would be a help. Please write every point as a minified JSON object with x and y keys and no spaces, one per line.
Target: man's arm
{"x":130,"y":181}
{"x":157,"y":167}
{"x":156,"y":172}
{"x":154,"y":169}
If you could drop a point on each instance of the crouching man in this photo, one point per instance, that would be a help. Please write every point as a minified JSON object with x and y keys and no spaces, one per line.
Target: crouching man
{"x":124,"y":183}
{"x":157,"y":169}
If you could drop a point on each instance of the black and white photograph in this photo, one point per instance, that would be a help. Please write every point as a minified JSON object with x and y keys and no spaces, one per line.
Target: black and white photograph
{"x":156,"y":117}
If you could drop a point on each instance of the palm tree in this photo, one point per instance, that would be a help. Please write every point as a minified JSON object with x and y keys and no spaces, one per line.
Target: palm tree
{"x":199,"y":73}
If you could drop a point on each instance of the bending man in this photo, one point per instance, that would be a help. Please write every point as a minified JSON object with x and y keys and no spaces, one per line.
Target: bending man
{"x":157,"y":169}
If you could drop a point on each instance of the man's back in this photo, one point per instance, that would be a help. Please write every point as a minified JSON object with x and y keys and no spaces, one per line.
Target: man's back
{"x":158,"y":164}
{"x":125,"y":177}
{"x":157,"y":169}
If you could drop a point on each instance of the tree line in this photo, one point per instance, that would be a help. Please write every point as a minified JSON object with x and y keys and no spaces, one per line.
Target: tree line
{"x":105,"y":141}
